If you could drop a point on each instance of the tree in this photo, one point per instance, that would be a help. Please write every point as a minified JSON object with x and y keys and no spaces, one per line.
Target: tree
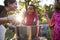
{"x":49,"y":9}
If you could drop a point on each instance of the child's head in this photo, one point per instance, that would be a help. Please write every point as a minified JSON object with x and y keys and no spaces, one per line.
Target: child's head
{"x":57,"y":5}
{"x":11,"y":4}
{"x":31,"y":8}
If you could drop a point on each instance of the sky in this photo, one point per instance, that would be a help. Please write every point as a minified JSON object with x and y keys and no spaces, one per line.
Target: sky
{"x":1,"y":2}
{"x":47,"y":2}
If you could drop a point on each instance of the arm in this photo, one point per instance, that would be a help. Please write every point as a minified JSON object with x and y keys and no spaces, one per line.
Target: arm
{"x":24,"y":16}
{"x":37,"y":25}
{"x":37,"y":19}
{"x":3,"y":20}
{"x":50,"y":21}
{"x":37,"y":28}
{"x":7,"y":19}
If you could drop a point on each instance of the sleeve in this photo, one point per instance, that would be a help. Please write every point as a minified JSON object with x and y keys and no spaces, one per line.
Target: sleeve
{"x":36,"y":16}
{"x":52,"y":22}
{"x":1,"y":8}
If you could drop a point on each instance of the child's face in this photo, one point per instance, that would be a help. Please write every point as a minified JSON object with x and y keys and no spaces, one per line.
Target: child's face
{"x":13,"y":6}
{"x":57,"y":6}
{"x":30,"y":9}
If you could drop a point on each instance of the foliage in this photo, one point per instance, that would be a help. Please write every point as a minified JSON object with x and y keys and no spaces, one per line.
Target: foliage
{"x":9,"y":35}
{"x":49,"y":10}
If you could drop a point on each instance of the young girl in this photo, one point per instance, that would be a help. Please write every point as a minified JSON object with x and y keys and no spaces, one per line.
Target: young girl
{"x":55,"y":20}
{"x":30,"y":16}
{"x":9,"y":5}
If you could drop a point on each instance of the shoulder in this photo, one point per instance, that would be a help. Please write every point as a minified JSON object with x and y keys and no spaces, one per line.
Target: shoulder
{"x":1,"y":8}
{"x":35,"y":13}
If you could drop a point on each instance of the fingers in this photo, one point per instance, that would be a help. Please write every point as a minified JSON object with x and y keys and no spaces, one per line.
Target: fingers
{"x":45,"y":15}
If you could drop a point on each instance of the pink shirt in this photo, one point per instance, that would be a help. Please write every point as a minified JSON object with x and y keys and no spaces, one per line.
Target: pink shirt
{"x":55,"y":19}
{"x":30,"y":19}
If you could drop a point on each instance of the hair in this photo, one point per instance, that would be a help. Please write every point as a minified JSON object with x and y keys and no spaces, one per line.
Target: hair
{"x":57,"y":5}
{"x":32,"y":6}
{"x":9,"y":1}
{"x":1,"y":8}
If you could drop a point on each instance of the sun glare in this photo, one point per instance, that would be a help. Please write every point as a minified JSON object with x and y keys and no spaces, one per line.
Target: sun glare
{"x":19,"y":18}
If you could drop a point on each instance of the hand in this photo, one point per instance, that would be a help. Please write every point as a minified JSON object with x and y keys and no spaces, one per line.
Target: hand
{"x":11,"y":19}
{"x":45,"y":14}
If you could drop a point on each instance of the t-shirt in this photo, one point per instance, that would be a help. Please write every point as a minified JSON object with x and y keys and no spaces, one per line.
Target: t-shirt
{"x":55,"y":19}
{"x":29,"y":19}
{"x":3,"y":13}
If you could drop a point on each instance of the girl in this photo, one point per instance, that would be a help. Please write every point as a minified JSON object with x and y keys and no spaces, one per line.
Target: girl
{"x":30,"y":16}
{"x":9,"y":5}
{"x":55,"y":20}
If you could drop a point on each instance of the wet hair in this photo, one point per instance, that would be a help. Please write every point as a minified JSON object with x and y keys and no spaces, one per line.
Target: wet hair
{"x":57,"y":5}
{"x":32,"y":6}
{"x":9,"y":1}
